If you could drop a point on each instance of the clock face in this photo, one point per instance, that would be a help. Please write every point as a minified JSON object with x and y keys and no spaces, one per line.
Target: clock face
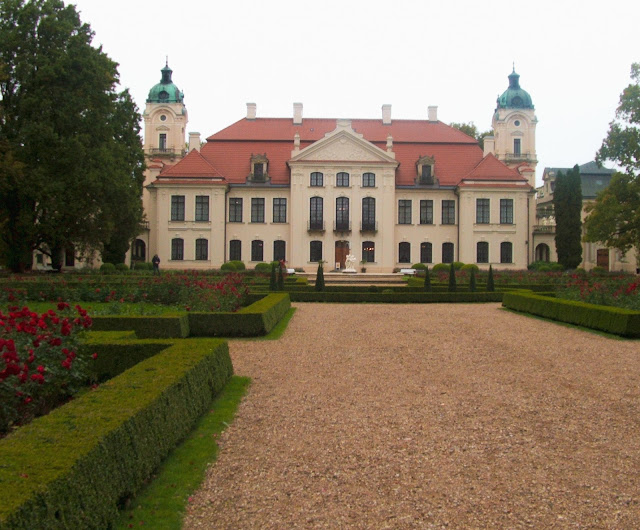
{"x":517,"y":101}
{"x":163,"y":95}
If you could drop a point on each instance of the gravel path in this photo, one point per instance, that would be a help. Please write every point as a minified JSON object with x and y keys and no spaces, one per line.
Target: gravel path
{"x":426,"y":416}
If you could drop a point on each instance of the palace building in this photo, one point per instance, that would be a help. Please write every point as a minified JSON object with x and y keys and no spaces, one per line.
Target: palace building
{"x":391,"y":192}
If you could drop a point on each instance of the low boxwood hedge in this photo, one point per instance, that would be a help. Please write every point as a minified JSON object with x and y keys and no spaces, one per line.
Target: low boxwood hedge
{"x":71,"y":468}
{"x":395,"y":297}
{"x":613,"y":320}
{"x":146,"y":326}
{"x":259,"y":318}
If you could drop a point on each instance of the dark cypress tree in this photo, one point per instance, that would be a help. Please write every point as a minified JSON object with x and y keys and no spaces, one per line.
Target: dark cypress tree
{"x":567,"y":205}
{"x":452,"y":279}
{"x":427,"y":280}
{"x":280,"y":278}
{"x":272,"y":280}
{"x":320,"y":278}
{"x":490,"y":286}
{"x":472,"y":281}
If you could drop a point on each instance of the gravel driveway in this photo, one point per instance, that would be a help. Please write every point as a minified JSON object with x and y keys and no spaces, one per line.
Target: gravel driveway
{"x":429,"y":416}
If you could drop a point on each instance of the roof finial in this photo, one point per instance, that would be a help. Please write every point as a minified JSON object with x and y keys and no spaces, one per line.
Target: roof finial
{"x":167,"y":63}
{"x":514,"y":67}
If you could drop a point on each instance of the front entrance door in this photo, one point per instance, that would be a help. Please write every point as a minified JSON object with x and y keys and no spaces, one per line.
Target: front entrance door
{"x":342,"y":251}
{"x":603,"y":258}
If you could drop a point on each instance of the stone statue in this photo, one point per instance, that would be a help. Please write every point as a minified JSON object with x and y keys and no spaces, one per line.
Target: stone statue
{"x":349,"y":263}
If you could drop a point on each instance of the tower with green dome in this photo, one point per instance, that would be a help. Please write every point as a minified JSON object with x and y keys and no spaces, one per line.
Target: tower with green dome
{"x":165,"y":119}
{"x":514,"y":127}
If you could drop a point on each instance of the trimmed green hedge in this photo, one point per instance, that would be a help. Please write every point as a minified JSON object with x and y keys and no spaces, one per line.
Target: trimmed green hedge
{"x":146,"y":326}
{"x":395,"y":297}
{"x":72,"y":468}
{"x":535,"y":287}
{"x":257,"y":319}
{"x":610,"y":319}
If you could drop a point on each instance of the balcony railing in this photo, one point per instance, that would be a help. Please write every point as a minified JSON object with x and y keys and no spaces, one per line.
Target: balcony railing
{"x":521,"y":156}
{"x":544,"y":229}
{"x":315,"y":225}
{"x":164,"y":151}
{"x":369,"y":226}
{"x":342,"y":226}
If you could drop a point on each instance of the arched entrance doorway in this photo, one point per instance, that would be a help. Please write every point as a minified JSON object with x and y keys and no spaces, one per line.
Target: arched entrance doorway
{"x":542,"y":252}
{"x":342,"y":251}
{"x":139,"y":250}
{"x":602,"y":259}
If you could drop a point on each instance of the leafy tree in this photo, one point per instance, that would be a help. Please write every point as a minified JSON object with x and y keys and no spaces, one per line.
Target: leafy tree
{"x":567,"y":205}
{"x":614,"y":217}
{"x":72,"y":160}
{"x":427,"y":280}
{"x":452,"y":279}
{"x":470,"y":129}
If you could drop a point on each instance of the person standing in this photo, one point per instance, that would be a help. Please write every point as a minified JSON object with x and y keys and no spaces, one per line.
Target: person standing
{"x":156,"y":264}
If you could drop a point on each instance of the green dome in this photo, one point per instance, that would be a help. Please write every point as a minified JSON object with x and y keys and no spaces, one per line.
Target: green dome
{"x":515,"y":97}
{"x":165,"y":91}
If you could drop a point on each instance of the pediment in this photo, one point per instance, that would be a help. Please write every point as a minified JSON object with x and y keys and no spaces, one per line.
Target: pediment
{"x":343,"y":145}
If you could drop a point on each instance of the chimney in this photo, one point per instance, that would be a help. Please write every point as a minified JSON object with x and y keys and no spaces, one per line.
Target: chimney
{"x":386,"y":114}
{"x":251,"y":111}
{"x":297,"y":113}
{"x":194,"y":141}
{"x":489,"y":145}
{"x":433,"y":113}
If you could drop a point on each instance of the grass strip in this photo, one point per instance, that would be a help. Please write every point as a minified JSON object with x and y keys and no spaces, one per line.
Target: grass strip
{"x":162,"y":503}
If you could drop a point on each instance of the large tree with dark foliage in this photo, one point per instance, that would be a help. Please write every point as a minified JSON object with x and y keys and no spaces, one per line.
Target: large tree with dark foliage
{"x":471,"y":129}
{"x":614,"y":217}
{"x":71,"y":166}
{"x":567,"y":205}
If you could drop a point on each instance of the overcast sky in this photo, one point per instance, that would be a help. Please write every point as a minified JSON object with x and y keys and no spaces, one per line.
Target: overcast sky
{"x":345,"y":59}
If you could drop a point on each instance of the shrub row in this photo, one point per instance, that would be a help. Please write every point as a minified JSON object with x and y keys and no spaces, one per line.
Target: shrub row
{"x":418,"y":282}
{"x":610,"y":319}
{"x":254,"y":320}
{"x":257,"y":319}
{"x":69,"y":470}
{"x":395,"y":297}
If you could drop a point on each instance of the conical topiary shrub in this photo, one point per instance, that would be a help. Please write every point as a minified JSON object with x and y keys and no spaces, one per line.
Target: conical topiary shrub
{"x":272,"y":280}
{"x":452,"y":279}
{"x":427,"y":280}
{"x":320,"y":277}
{"x":280,"y":278}
{"x":490,"y":286}
{"x":472,"y":281}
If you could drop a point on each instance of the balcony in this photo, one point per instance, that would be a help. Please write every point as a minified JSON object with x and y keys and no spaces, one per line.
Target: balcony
{"x":369,"y":226}
{"x":342,"y":226}
{"x":545,"y":229}
{"x":524,"y":157}
{"x":315,"y":225}
{"x":164,"y":151}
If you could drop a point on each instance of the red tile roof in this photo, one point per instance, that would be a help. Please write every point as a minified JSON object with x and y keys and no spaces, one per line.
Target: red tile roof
{"x":228,"y":152}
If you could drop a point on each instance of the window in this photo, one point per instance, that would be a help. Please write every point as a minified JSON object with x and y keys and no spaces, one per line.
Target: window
{"x":317,"y":179}
{"x":516,"y":146}
{"x":69,"y":256}
{"x":342,"y":213}
{"x":426,"y":213}
{"x":258,"y":171}
{"x":342,"y":179}
{"x":506,"y":252}
{"x":426,"y":176}
{"x":235,"y":250}
{"x":482,"y":211}
{"x":202,"y":208}
{"x":426,"y":253}
{"x":482,"y":252}
{"x":235,"y":210}
{"x":162,"y":142}
{"x":448,"y":212}
{"x":368,"y":213}
{"x":177,"y":249}
{"x":202,"y":249}
{"x":257,"y":211}
{"x":404,"y":252}
{"x":279,"y":210}
{"x":279,"y":248}
{"x":316,"y":215}
{"x":315,"y":251}
{"x":506,"y":211}
{"x":404,"y":212}
{"x":447,"y":252}
{"x":368,"y":251}
{"x":177,"y":207}
{"x":368,"y":180}
{"x":257,"y":250}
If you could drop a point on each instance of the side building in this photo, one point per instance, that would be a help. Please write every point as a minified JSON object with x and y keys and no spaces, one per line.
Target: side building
{"x":391,"y":192}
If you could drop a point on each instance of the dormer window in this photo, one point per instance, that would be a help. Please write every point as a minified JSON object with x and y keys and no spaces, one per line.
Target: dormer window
{"x":259,"y":168}
{"x":425,"y":169}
